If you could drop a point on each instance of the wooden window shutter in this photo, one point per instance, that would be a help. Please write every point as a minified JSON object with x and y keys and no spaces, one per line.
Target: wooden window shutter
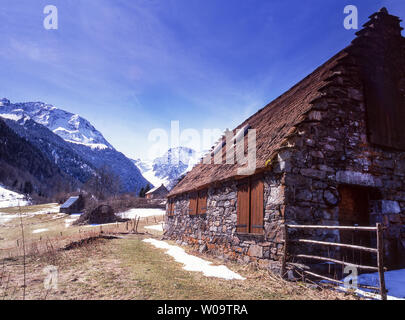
{"x":385,"y":113}
{"x":256,"y":206}
{"x":385,"y":102}
{"x":243,"y":208}
{"x":171,"y":209}
{"x":192,"y":210}
{"x":202,"y":202}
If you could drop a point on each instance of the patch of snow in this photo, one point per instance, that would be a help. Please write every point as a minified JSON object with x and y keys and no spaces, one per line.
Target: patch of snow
{"x":73,"y":218}
{"x":192,"y":263}
{"x":4,"y":218}
{"x":103,"y":224}
{"x":370,"y":295}
{"x":40,"y":230}
{"x":11,"y":116}
{"x":58,"y":216}
{"x":54,"y":209}
{"x":157,"y":227}
{"x":11,"y":199}
{"x":394,"y":281}
{"x":142,"y":213}
{"x":93,"y":146}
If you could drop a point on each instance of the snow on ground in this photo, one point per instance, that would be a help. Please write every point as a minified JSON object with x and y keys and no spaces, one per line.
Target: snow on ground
{"x":73,"y":218}
{"x":141,"y":212}
{"x":157,"y":227}
{"x":53,"y":209}
{"x":6,"y":217}
{"x":394,"y":282}
{"x":192,"y":263}
{"x":103,"y":224}
{"x":40,"y":230}
{"x":11,"y":199}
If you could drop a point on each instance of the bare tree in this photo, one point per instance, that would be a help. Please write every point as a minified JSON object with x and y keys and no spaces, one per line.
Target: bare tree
{"x":104,"y":184}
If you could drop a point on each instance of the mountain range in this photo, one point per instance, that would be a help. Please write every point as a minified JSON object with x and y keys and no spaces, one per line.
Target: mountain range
{"x":72,"y":151}
{"x":70,"y":142}
{"x":170,"y":167}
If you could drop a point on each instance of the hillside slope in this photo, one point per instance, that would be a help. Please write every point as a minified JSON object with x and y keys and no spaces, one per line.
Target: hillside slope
{"x":25,"y":168}
{"x":91,"y":149}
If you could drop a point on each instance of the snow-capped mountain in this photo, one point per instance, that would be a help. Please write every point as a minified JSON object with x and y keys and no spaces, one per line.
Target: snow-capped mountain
{"x":70,"y":127}
{"x":89,"y":149}
{"x":168,"y":168}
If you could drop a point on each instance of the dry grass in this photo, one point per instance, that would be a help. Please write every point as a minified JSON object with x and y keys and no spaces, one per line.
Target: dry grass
{"x":125,"y":268}
{"x":131,"y":269}
{"x":57,"y":234}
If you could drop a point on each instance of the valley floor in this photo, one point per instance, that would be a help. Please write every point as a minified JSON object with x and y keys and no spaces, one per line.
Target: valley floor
{"x":127,"y":267}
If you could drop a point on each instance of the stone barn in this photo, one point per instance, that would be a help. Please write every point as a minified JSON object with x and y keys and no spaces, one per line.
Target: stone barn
{"x":157,"y":193}
{"x":329,"y":151}
{"x":73,"y":205}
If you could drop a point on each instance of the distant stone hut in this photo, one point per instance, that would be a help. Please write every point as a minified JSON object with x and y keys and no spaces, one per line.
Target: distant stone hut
{"x":157,"y":193}
{"x":73,"y":205}
{"x":330,"y":151}
{"x":102,"y":214}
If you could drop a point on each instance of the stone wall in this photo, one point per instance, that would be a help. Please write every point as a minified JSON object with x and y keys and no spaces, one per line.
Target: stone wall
{"x":331,"y":148}
{"x":216,"y":231}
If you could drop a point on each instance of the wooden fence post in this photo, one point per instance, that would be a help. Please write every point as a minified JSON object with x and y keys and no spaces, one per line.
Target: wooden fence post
{"x":284,"y":261}
{"x":380,"y":261}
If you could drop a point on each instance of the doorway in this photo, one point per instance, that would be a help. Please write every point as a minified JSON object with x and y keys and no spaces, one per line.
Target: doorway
{"x":354,"y":210}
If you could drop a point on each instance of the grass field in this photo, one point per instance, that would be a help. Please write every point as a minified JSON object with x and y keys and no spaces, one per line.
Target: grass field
{"x":125,"y":267}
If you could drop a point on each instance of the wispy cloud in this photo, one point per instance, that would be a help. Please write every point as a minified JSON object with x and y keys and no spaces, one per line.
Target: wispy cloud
{"x":131,"y":66}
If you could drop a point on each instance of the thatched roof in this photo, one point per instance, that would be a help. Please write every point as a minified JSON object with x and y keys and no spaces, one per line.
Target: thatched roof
{"x":273,"y":124}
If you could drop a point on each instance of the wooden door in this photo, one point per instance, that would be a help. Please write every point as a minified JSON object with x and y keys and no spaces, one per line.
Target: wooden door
{"x":354,"y":210}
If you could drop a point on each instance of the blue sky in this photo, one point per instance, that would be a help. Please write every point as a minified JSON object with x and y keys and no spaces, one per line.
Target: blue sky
{"x":130,"y":66}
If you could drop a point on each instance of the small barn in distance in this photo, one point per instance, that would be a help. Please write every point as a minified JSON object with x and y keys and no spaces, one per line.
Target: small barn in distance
{"x":73,"y":205}
{"x":157,"y":193}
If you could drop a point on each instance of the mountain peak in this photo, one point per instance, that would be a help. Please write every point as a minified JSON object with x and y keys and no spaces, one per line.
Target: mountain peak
{"x":70,"y":127}
{"x":169,"y":167}
{"x":4,"y":102}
